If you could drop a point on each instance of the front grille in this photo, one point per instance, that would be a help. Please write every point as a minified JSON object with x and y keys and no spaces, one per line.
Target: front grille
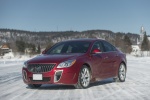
{"x":40,"y":68}
{"x":45,"y":79}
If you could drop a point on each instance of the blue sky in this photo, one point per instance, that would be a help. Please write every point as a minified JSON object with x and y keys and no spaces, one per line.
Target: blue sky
{"x":77,"y":15}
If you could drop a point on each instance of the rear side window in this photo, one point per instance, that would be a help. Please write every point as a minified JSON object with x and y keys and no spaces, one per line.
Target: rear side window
{"x":108,"y":47}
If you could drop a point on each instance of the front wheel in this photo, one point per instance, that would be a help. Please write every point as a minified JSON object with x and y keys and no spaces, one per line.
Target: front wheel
{"x":83,"y":78}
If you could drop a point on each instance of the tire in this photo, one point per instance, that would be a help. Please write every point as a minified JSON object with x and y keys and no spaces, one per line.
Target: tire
{"x":34,"y":85}
{"x":115,"y":79}
{"x":83,"y":78}
{"x":121,"y":73}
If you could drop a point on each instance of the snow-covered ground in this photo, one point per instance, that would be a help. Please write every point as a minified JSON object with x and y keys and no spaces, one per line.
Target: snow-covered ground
{"x":136,"y":87}
{"x":14,"y":60}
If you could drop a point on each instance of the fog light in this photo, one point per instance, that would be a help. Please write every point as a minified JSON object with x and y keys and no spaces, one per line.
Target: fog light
{"x":24,"y":75}
{"x":57,"y":75}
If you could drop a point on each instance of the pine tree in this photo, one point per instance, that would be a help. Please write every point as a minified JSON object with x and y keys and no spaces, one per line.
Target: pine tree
{"x":50,"y":44}
{"x":20,"y":46}
{"x":145,"y":43}
{"x":127,"y":44}
{"x":33,"y":48}
{"x":39,"y":49}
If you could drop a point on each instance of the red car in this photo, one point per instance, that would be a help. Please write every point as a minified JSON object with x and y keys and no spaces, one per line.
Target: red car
{"x":76,"y":62}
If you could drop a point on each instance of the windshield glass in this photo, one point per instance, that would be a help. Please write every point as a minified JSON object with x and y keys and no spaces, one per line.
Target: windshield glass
{"x":69,"y":47}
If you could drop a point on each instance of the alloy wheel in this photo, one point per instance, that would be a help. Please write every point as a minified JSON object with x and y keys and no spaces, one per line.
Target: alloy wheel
{"x":122,"y":72}
{"x":85,"y":77}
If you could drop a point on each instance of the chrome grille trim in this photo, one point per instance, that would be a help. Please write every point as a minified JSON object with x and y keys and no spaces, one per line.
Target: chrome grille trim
{"x":40,"y":68}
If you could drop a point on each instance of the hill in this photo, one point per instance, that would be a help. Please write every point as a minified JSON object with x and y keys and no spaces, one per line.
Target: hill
{"x":44,"y":39}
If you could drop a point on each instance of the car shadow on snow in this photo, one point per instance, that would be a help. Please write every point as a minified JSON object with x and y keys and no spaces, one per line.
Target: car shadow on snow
{"x":53,"y":87}
{"x":102,"y":82}
{"x":66,"y":87}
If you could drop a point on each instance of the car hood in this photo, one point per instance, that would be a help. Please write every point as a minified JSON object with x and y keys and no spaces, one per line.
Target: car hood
{"x":53,"y":58}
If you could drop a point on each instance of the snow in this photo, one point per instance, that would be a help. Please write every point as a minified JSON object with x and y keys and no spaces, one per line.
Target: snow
{"x":140,"y":53}
{"x":145,"y":59}
{"x":136,"y":87}
{"x":149,"y":38}
{"x":14,"y":59}
{"x":9,"y":55}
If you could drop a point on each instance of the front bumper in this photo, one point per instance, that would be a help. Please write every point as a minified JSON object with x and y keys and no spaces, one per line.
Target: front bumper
{"x":56,"y":76}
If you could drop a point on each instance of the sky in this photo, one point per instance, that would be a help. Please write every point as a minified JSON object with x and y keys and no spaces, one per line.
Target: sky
{"x":77,"y":15}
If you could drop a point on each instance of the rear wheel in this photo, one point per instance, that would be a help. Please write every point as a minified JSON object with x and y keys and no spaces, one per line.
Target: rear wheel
{"x":83,"y":78}
{"x":34,"y":85}
{"x":121,"y":73}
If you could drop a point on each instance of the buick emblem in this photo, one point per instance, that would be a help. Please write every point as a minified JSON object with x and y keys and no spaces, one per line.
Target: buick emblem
{"x":37,"y":69}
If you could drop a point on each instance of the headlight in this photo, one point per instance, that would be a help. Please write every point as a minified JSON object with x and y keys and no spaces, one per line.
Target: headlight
{"x":67,"y":63}
{"x":25,"y":65}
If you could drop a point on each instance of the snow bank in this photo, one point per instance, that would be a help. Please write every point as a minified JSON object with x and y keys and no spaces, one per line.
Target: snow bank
{"x":13,"y":60}
{"x":141,"y":53}
{"x":144,"y":59}
{"x":9,"y":55}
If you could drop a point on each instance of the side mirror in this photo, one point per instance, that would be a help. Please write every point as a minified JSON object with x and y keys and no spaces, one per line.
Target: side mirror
{"x":96,"y":51}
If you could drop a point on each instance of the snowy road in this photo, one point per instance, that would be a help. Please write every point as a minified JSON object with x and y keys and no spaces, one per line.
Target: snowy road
{"x":136,"y":87}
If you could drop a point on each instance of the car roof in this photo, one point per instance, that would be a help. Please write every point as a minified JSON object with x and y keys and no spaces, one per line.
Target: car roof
{"x":84,"y":39}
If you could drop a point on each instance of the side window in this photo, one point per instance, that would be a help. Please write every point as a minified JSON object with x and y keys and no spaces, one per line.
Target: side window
{"x":98,"y":45}
{"x":69,"y":49}
{"x":108,"y":47}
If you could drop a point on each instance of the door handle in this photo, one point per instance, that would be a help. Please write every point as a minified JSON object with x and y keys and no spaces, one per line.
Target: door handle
{"x":116,"y":55}
{"x":106,"y":58}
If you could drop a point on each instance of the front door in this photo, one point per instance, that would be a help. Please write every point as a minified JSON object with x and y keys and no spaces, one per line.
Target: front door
{"x":98,"y":60}
{"x":109,"y":60}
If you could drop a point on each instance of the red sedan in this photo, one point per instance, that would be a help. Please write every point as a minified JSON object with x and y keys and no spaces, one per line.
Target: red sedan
{"x":76,"y":62}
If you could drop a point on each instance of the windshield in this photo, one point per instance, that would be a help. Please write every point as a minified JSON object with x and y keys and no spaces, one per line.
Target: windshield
{"x":69,"y":47}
